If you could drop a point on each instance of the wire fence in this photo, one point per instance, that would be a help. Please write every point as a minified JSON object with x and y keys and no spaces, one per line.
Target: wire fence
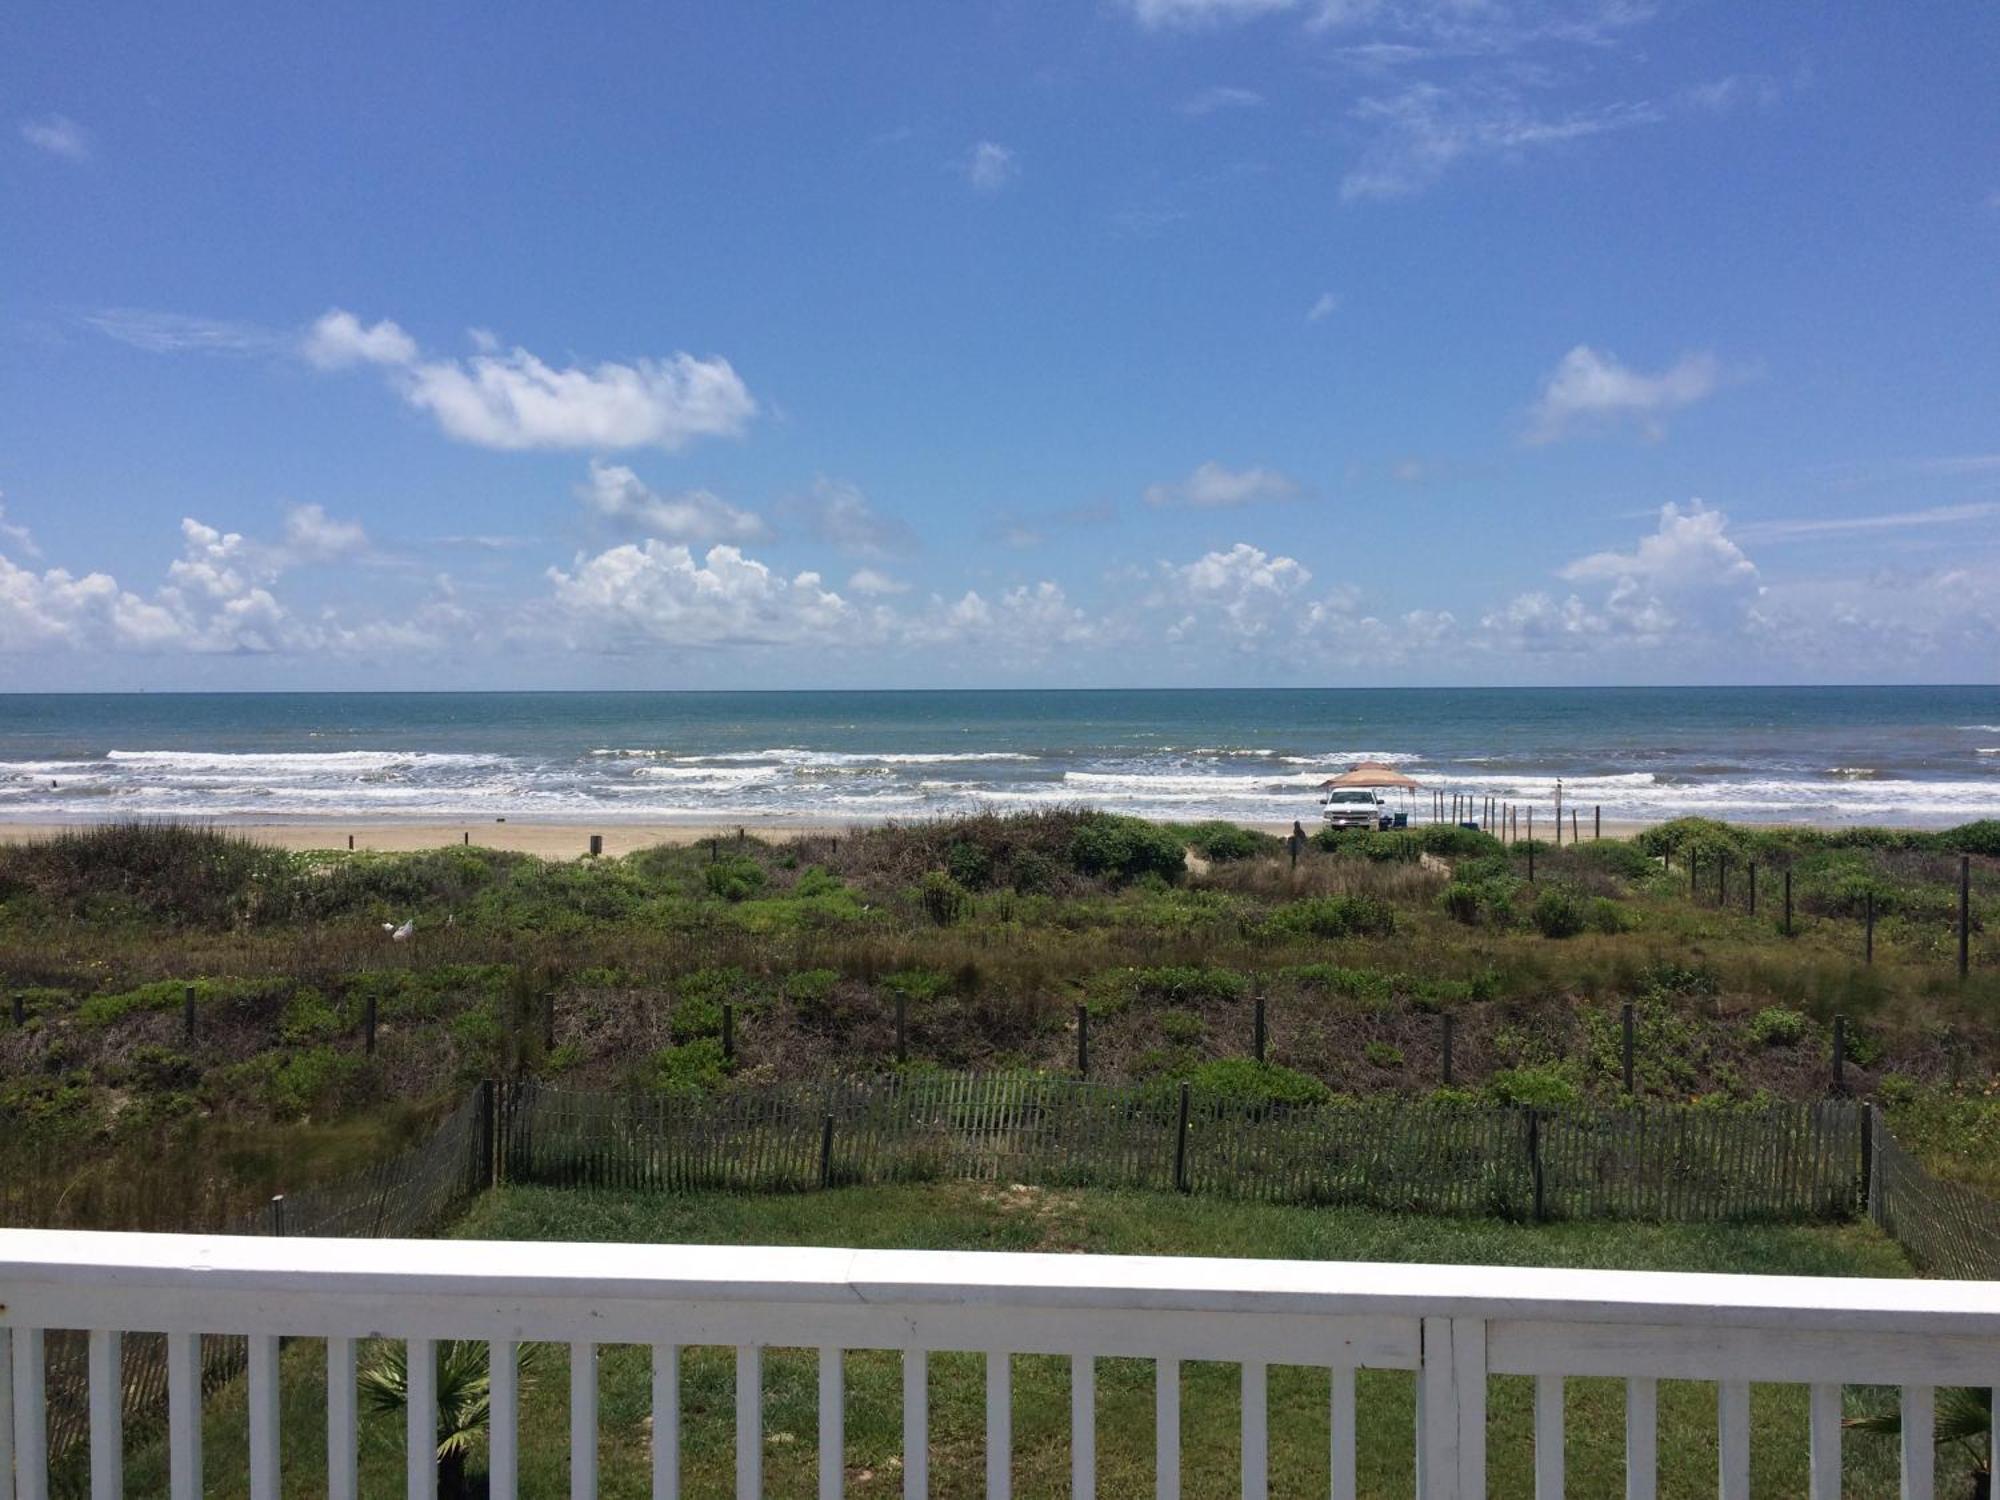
{"x":412,"y":1193}
{"x":1784,"y":1161}
{"x":1946,"y":1228}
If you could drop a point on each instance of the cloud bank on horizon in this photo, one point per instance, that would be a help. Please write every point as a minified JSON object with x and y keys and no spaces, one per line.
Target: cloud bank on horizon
{"x":1204,"y":341}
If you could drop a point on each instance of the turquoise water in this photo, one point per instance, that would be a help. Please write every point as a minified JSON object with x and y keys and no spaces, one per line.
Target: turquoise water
{"x":1902,"y":755}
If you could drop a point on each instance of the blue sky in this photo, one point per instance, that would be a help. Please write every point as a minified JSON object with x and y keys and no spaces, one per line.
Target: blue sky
{"x":1111,"y":342}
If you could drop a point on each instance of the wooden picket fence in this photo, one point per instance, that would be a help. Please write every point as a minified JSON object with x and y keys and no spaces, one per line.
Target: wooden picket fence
{"x":1783,"y":1161}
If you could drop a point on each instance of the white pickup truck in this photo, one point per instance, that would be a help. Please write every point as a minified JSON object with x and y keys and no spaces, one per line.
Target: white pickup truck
{"x":1353,"y":807}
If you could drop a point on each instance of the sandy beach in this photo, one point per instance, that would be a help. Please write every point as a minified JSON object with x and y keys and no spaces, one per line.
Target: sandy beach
{"x":562,"y":840}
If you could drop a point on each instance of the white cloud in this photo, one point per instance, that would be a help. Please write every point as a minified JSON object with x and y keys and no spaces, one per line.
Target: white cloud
{"x":1220,"y":96}
{"x":1212,"y":487}
{"x":180,"y":333}
{"x":1421,"y":132}
{"x":654,"y":594}
{"x":1588,"y":388}
{"x":1686,"y":584}
{"x":339,"y":340}
{"x":1245,"y":595}
{"x":1725,"y":95}
{"x":17,"y":536}
{"x":1024,"y":623}
{"x":517,"y":401}
{"x":614,"y":493}
{"x":1182,"y":14}
{"x":1905,"y":520}
{"x":311,"y":535}
{"x":873,"y":582}
{"x":217,"y":599}
{"x":838,"y":514}
{"x":58,"y":135}
{"x":989,"y":166}
{"x":1324,"y":306}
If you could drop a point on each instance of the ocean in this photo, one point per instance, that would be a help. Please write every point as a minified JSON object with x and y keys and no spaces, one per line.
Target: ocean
{"x":1900,"y":755}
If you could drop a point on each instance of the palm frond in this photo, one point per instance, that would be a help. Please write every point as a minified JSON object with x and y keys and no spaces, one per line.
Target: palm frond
{"x":1963,"y":1413}
{"x":464,"y":1386}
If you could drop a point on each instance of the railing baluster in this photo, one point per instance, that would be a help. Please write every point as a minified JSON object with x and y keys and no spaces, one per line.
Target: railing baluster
{"x":583,"y":1420}
{"x":1256,"y":1431}
{"x":916,"y":1424}
{"x":999,"y":1425}
{"x":666,"y":1422}
{"x":1167,"y":1429}
{"x":343,"y":1472}
{"x":1340,"y":1434}
{"x":264,"y":1416}
{"x":832,"y":1423}
{"x":1548,"y":1437}
{"x":1642,"y":1437}
{"x":1083,"y":1427}
{"x":31,"y":1417}
{"x":749,"y":1422}
{"x":6,"y":1414}
{"x":107,"y":1415}
{"x":1733,"y":1440}
{"x":1919,"y":1441}
{"x":184,"y":1415}
{"x":420,"y":1420}
{"x":1823,"y":1419}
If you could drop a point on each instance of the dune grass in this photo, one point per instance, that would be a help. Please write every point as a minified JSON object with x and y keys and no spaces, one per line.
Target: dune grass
{"x":965,"y":1216}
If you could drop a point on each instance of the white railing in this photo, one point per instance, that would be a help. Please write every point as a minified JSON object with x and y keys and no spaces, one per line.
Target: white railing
{"x":1453,"y":1325}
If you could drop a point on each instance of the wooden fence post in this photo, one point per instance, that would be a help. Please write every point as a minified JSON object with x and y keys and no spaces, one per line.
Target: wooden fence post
{"x":1868,"y":927}
{"x":596,"y":845}
{"x":1180,"y":1145}
{"x":1574,"y":837}
{"x":1722,"y":880}
{"x":903,"y":1028}
{"x":20,"y":1009}
{"x":489,"y":1132}
{"x":1964,"y":915}
{"x":825,"y":1151}
{"x":1597,"y":820}
{"x":1840,"y":1054}
{"x":350,"y":843}
{"x":1626,"y":1026}
{"x":368,"y":1026}
{"x":1694,"y":882}
{"x":1260,"y":1038}
{"x":1083,"y":1041}
{"x":728,"y":1032}
{"x":278,"y":1216}
{"x":1752,"y":892}
{"x":187,"y":1011}
{"x":1448,"y":1024}
{"x":549,"y":1021}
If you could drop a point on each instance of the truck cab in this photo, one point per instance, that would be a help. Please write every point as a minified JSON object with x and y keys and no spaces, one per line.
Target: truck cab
{"x":1354,"y":807}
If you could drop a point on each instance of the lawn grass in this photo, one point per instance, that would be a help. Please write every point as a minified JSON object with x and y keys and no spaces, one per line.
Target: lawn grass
{"x":985,"y":1217}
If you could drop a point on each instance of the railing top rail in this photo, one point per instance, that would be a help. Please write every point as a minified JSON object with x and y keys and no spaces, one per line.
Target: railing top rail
{"x":64,"y":1263}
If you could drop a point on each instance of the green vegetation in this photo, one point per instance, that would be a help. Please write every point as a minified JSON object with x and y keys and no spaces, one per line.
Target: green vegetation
{"x":990,"y":1217}
{"x":989,"y":931}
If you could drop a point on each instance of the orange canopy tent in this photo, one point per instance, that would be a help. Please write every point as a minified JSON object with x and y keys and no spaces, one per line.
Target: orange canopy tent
{"x":1371,"y":773}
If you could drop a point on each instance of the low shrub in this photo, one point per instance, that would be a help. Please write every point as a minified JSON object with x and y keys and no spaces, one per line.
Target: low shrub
{"x":1119,"y":849}
{"x":733,"y":879}
{"x":1383,"y":1054}
{"x":1247,"y":1081}
{"x":1336,"y":917}
{"x":943,"y":899}
{"x":1558,"y":913}
{"x":1775,"y":1026}
{"x":1220,"y":841}
{"x":1544,"y":1085}
{"x":1188,"y":984}
{"x":696,"y":1067}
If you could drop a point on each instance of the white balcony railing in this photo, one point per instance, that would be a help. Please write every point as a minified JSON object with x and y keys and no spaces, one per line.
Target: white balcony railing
{"x":1454,"y":1326}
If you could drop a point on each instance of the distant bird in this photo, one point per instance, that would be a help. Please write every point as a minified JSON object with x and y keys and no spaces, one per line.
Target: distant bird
{"x":401,"y":934}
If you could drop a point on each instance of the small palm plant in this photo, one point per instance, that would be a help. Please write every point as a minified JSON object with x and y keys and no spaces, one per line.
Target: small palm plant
{"x":1964,"y":1415}
{"x":464,"y":1399}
